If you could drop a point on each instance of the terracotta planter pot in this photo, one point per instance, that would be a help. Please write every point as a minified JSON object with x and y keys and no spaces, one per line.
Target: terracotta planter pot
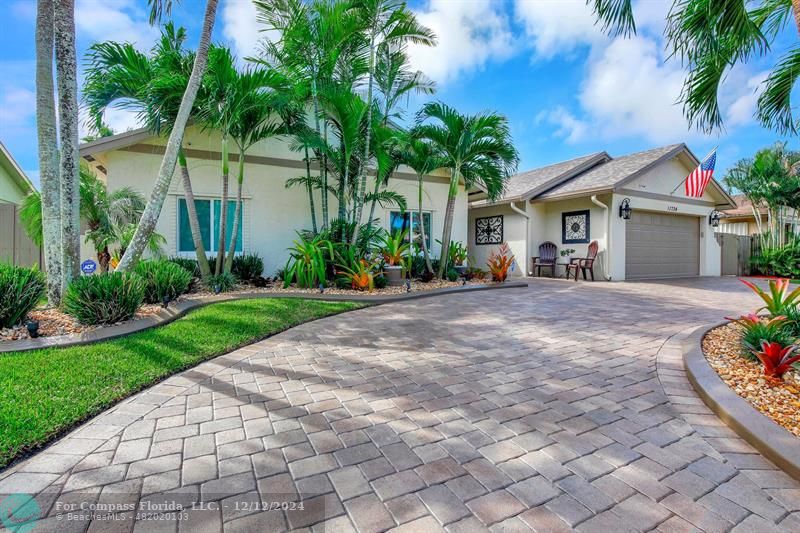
{"x":394,"y":275}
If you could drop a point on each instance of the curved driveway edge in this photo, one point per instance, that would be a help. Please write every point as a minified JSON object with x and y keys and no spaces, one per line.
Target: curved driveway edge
{"x":179,"y":309}
{"x":773,"y":441}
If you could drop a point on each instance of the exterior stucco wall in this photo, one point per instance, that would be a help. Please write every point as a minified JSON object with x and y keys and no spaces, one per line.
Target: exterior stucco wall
{"x":9,"y":190}
{"x":272,"y":213}
{"x":513,"y":234}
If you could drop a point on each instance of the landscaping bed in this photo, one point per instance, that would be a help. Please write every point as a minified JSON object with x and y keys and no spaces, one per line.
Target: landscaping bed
{"x":416,"y":286}
{"x":46,"y":392}
{"x":778,"y":400}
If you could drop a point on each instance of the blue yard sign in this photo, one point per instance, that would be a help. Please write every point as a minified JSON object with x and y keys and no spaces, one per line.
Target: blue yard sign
{"x":88,"y":267}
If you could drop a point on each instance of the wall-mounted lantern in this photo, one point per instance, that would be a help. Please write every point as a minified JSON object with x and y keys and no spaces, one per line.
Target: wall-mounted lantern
{"x":713,"y":218}
{"x":625,"y":209}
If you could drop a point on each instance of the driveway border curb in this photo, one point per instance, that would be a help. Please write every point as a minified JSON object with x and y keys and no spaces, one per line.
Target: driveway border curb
{"x":179,"y":309}
{"x":773,"y":441}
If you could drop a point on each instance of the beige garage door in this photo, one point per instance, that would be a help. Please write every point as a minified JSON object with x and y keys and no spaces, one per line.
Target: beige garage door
{"x":659,"y":245}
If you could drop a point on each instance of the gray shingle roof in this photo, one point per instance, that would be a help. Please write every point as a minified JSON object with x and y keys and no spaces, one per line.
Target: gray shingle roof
{"x":612,"y":172}
{"x":527,"y":184}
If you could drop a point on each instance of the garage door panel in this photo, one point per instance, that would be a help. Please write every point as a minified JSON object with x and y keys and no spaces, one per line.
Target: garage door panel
{"x":661,"y":245}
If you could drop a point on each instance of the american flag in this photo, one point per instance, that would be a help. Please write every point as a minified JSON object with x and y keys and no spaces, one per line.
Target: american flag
{"x":696,"y":182}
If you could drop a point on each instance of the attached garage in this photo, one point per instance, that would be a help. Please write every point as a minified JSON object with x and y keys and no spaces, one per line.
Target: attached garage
{"x":662,"y":245}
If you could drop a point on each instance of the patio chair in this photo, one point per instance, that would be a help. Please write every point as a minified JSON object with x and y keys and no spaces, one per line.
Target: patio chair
{"x":545,"y":259}
{"x":584,"y":263}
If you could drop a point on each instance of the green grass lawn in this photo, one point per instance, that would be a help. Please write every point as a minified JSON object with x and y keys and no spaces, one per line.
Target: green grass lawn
{"x":45,"y":392}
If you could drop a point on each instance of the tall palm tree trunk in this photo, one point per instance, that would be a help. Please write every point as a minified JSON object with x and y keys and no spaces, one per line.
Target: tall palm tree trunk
{"x":363,"y":165}
{"x":796,"y":10}
{"x":147,"y":224}
{"x":67,"y":79}
{"x":448,"y":223}
{"x":323,"y":169}
{"x":236,"y":215}
{"x":311,"y":194}
{"x":48,"y":153}
{"x":194,"y":223}
{"x":425,"y":253}
{"x":223,"y":215}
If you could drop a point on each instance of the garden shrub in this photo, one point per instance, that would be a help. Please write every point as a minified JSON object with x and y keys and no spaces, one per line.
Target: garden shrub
{"x":452,"y":275}
{"x":163,"y":279}
{"x":20,"y":290}
{"x":224,"y":282}
{"x":380,"y":282}
{"x":104,"y":298}
{"x":189,"y":264}
{"x":247,"y":267}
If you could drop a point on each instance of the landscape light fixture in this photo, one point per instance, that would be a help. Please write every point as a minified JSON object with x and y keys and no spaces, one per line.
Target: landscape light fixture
{"x":33,"y":328}
{"x":408,"y":285}
{"x":322,"y":288}
{"x":625,"y":209}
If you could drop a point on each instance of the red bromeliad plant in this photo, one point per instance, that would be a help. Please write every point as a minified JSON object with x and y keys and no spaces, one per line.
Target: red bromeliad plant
{"x":499,"y":262}
{"x":779,"y":299}
{"x":777,"y":359}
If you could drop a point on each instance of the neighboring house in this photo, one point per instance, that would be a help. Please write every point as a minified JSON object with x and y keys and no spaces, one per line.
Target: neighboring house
{"x":272,"y":214}
{"x":575,"y":202}
{"x":15,"y":246}
{"x":741,"y":220}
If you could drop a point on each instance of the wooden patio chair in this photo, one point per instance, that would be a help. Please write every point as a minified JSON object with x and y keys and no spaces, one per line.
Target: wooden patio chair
{"x":545,"y":259}
{"x":584,"y":263}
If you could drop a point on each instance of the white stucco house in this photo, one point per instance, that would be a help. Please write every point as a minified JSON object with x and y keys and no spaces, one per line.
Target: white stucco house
{"x":574,"y":202}
{"x":271,"y":213}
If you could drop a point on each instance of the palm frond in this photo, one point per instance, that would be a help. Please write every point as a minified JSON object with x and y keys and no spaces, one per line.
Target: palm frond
{"x":775,"y":104}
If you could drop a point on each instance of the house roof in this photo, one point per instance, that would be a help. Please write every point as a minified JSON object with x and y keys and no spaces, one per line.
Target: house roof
{"x":14,"y":170}
{"x":526,"y":185}
{"x":614,"y":172}
{"x":591,"y":174}
{"x":743,"y":207}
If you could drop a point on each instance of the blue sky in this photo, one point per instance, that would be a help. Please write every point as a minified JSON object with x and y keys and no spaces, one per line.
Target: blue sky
{"x":567,"y":89}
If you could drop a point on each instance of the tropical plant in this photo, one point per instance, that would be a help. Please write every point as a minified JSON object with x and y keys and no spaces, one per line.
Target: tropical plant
{"x":104,"y":298}
{"x":119,"y":75}
{"x":776,"y":358}
{"x":473,"y":273}
{"x":783,"y":261}
{"x":499,"y":262}
{"x":20,"y":291}
{"x":163,"y":280}
{"x":756,"y":329}
{"x":307,"y":264}
{"x":247,"y":267}
{"x":476,"y":149}
{"x":779,"y":299}
{"x":457,"y":253}
{"x":124,"y":235}
{"x":394,"y":246}
{"x":380,"y":281}
{"x":359,"y":271}
{"x":223,"y":282}
{"x":149,"y":218}
{"x":190,"y":265}
{"x":452,"y":275}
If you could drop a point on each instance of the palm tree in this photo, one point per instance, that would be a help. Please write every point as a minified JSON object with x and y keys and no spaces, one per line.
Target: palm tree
{"x":390,"y":23}
{"x":475,"y":148}
{"x":48,"y":153}
{"x":257,"y":117}
{"x":119,"y":75}
{"x":102,"y":212}
{"x":67,"y":83}
{"x":152,"y":211}
{"x":420,"y":157}
{"x":217,"y":108}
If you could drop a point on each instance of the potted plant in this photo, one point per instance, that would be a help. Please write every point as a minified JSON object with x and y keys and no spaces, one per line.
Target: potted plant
{"x":566,"y":254}
{"x":456,"y":256}
{"x":393,"y":248}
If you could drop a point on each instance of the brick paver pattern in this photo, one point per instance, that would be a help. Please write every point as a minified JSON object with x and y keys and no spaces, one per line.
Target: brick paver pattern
{"x":560,"y":406}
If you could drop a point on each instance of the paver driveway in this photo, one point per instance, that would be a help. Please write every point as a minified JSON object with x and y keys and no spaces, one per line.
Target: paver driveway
{"x":539,"y":408}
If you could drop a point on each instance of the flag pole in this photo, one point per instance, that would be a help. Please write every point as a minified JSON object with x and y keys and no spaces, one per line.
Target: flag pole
{"x":690,"y":173}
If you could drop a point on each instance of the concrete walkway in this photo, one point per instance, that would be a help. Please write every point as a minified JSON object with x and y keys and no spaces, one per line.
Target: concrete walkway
{"x":530,"y":409}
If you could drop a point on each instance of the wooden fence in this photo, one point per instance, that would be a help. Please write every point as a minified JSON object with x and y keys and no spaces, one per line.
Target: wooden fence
{"x":15,"y":246}
{"x":736,"y":251}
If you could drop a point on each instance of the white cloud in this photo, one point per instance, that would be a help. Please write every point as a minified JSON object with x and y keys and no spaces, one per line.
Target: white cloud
{"x":745,"y":92}
{"x":24,"y":10}
{"x":469,"y":35}
{"x":240,"y":25}
{"x":118,"y":20}
{"x":558,"y":27}
{"x":570,"y":127}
